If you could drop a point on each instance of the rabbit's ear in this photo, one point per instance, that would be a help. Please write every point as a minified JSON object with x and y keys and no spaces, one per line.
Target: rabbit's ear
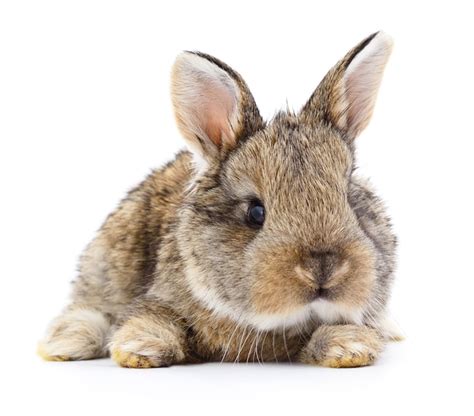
{"x":346,"y":96}
{"x":213,"y":106}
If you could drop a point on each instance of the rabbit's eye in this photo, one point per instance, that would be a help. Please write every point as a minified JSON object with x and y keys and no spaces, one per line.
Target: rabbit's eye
{"x":256,"y":214}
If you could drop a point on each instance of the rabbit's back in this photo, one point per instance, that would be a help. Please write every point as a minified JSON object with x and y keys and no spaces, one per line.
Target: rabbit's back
{"x":119,"y":264}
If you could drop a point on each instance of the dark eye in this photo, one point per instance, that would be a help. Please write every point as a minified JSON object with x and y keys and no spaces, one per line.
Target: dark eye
{"x":256,"y":214}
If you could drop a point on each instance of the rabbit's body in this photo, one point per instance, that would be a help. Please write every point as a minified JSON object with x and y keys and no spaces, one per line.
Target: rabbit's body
{"x":126,"y":260}
{"x":177,"y":274}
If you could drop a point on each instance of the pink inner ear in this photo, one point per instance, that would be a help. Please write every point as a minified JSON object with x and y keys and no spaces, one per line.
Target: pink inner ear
{"x":361,"y":90}
{"x":215,"y":108}
{"x":362,"y":82}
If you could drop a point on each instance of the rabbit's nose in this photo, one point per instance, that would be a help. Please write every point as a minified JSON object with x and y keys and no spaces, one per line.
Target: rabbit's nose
{"x":322,"y":265}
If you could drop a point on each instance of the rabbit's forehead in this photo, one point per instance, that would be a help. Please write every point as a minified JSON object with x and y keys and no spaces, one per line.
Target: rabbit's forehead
{"x":292,"y":160}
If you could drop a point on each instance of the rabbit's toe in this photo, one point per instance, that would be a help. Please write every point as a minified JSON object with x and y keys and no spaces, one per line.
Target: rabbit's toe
{"x":351,"y":354}
{"x":43,"y":352}
{"x":130,"y":359}
{"x":160,"y":356}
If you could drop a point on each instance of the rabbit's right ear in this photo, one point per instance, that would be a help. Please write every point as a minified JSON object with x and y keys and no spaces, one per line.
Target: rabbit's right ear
{"x":213,"y":106}
{"x":346,"y":96}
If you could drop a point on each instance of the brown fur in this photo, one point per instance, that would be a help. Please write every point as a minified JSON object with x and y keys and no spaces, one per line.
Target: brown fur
{"x":177,"y":275}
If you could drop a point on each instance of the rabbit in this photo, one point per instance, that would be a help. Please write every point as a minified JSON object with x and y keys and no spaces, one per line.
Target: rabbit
{"x":258,"y":243}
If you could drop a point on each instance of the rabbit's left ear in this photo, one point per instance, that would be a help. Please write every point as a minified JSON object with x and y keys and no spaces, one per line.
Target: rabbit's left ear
{"x":347,"y":94}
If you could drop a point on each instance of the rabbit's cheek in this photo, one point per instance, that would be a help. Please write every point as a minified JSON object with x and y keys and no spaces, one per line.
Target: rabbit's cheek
{"x":356,"y":289}
{"x":278,"y":287}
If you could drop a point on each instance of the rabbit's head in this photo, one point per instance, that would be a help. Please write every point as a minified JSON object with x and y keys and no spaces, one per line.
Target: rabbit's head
{"x":267,"y":233}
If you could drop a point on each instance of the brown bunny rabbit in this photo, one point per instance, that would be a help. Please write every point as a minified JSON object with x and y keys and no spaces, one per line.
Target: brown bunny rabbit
{"x":259,"y":243}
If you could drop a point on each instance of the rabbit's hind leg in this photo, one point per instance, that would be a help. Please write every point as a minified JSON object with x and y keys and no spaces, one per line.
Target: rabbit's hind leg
{"x":79,"y":333}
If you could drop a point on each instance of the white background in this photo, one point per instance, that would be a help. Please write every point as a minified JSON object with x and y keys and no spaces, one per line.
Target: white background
{"x":85,"y":114}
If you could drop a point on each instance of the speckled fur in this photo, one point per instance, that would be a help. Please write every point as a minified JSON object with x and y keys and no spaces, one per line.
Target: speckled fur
{"x":176,"y":274}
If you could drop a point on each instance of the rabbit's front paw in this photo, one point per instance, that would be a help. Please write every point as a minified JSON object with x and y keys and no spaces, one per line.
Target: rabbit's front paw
{"x":80,"y":333}
{"x":141,"y":343}
{"x":340,"y":346}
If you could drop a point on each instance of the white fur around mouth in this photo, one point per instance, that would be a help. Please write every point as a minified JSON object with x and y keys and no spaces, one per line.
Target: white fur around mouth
{"x":331,"y":312}
{"x":321,"y":310}
{"x":267,"y":322}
